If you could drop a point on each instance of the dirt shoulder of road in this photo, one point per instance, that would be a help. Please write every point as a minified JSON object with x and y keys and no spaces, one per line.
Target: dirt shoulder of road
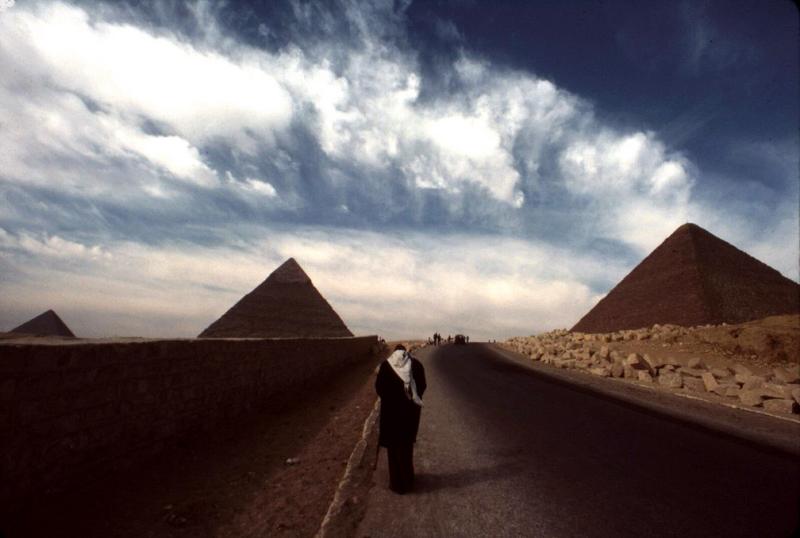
{"x":738,"y":379}
{"x":268,"y":475}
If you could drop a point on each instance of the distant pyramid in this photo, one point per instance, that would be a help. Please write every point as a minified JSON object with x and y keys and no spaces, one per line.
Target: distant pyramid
{"x":693,"y":278}
{"x":46,"y":324}
{"x":285,"y":305}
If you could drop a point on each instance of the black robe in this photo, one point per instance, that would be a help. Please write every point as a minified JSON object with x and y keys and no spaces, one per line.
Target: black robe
{"x":399,"y":420}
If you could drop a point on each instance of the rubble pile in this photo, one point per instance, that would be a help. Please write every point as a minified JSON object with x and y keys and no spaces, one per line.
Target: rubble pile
{"x":777,"y":391}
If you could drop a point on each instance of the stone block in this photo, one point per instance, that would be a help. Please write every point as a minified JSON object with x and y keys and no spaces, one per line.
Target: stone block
{"x":694,"y":384}
{"x":786,"y":407}
{"x":653,"y":363}
{"x":672,"y":380}
{"x":775,"y":391}
{"x":721,"y":373}
{"x":753,"y":382}
{"x":750,"y":398}
{"x":796,"y":394}
{"x":709,"y":381}
{"x":617,"y":370}
{"x":645,"y":376}
{"x":635,"y":361}
{"x":692,"y":372}
{"x":785,"y":376}
{"x":722,"y":390}
{"x":732,"y":392}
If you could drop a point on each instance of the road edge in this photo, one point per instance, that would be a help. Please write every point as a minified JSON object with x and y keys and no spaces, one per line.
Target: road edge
{"x":760,"y":429}
{"x":354,"y":475}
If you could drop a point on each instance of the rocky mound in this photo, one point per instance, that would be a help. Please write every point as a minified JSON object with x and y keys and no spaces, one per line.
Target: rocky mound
{"x":752,"y":364}
{"x":285,"y":305}
{"x":693,"y":278}
{"x":45,"y":324}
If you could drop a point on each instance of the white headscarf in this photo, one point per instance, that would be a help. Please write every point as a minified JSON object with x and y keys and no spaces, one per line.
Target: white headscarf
{"x":400,"y":361}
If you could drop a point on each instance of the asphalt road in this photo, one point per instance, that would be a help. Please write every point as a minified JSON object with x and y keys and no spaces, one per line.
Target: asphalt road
{"x":503,"y":451}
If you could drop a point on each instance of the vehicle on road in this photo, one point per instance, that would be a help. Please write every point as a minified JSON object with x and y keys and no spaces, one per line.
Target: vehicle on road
{"x":460,"y":339}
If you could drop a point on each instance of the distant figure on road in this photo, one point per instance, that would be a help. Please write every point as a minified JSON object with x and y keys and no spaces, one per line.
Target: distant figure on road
{"x":400,"y":385}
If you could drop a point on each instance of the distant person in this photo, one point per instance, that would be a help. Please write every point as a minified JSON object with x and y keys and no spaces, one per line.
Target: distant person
{"x":467,"y":337}
{"x":400,"y":385}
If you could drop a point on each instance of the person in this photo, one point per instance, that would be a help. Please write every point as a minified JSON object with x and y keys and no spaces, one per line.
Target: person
{"x":400,"y":385}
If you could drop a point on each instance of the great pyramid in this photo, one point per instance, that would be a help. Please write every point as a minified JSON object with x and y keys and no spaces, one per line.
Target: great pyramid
{"x":693,"y":278}
{"x":45,"y":324}
{"x":285,"y":305}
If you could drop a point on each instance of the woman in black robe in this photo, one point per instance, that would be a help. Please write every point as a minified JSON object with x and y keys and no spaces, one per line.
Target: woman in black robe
{"x":400,"y":385}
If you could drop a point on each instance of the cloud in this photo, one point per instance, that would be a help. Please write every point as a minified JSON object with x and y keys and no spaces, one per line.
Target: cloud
{"x":51,"y":247}
{"x":404,"y":287}
{"x":150,"y":162}
{"x":121,"y":101}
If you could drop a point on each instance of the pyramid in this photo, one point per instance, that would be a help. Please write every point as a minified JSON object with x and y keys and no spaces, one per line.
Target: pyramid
{"x":45,"y":324}
{"x":285,"y":305}
{"x":693,"y":278}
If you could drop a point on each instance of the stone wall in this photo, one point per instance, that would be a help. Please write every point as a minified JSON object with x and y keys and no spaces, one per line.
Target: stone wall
{"x":71,"y":411}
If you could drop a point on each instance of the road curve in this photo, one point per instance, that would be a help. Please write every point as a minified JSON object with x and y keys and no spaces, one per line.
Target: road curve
{"x":503,"y":451}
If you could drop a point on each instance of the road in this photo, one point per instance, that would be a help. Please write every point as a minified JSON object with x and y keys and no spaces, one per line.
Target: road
{"x":503,"y":451}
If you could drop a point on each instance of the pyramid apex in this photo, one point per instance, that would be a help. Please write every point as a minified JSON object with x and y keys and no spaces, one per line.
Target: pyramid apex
{"x":289,"y":272}
{"x":688,"y":227}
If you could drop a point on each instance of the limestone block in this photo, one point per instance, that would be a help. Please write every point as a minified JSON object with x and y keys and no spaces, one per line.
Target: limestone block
{"x":653,"y":363}
{"x":785,"y":376}
{"x":617,"y":370}
{"x":600,"y":371}
{"x":635,"y":361}
{"x":796,"y":394}
{"x":671,"y":380}
{"x":752,"y":382}
{"x":781,"y":406}
{"x":732,"y":392}
{"x":722,"y":390}
{"x":709,"y":381}
{"x":645,"y":376}
{"x":691,"y":372}
{"x":694,"y":384}
{"x":774,"y":391}
{"x":751,"y":398}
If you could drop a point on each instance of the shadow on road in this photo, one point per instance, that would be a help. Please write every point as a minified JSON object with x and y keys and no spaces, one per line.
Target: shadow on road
{"x":433,"y":482}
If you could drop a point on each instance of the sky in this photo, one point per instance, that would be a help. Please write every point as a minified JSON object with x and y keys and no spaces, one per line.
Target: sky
{"x":491,"y":168}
